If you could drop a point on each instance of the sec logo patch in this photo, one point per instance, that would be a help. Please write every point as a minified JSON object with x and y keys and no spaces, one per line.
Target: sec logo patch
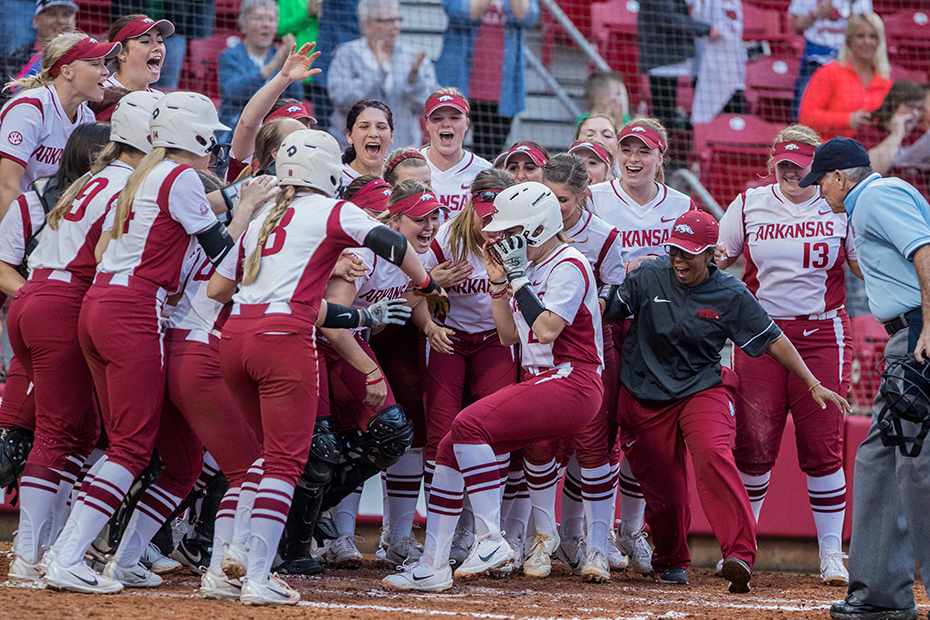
{"x":15,"y":138}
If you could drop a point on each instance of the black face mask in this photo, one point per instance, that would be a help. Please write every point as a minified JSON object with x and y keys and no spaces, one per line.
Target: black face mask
{"x":219,"y":156}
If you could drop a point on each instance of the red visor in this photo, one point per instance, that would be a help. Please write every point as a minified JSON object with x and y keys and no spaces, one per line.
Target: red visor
{"x":648,"y":136}
{"x":797,"y":153}
{"x":373,"y":195}
{"x":535,"y":154}
{"x":417,"y":205}
{"x":483,"y":202}
{"x":599,"y":151}
{"x":694,"y":232}
{"x":296,"y":111}
{"x":441,"y":101}
{"x":138,"y":27}
{"x":86,"y":49}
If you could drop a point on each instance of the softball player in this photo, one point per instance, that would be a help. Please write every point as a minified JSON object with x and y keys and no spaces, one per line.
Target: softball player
{"x":154,"y":222}
{"x":524,"y":160}
{"x":676,"y":398}
{"x":452,"y":168}
{"x":598,"y":160}
{"x":406,"y":163}
{"x":63,"y":268}
{"x":370,"y":132}
{"x":555,"y":316}
{"x":795,"y":250}
{"x":284,"y":260}
{"x":139,"y":62}
{"x":603,"y":128}
{"x":36,"y":123}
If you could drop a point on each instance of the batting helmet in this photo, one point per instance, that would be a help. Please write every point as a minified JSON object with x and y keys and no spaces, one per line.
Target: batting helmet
{"x":530,"y":205}
{"x":310,"y":158}
{"x":185,"y":121}
{"x":130,"y":121}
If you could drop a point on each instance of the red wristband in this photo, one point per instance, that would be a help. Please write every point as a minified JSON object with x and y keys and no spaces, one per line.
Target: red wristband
{"x":420,"y":287}
{"x":375,"y":381}
{"x":498,"y":295}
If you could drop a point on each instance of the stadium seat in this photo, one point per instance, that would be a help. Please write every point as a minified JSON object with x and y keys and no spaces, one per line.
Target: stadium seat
{"x":613,"y":25}
{"x":553,"y":33}
{"x":770,"y":87}
{"x":200,"y":66}
{"x":94,"y":18}
{"x":869,"y":340}
{"x":908,"y":36}
{"x":764,"y":25}
{"x":733,"y":150}
{"x":901,"y":73}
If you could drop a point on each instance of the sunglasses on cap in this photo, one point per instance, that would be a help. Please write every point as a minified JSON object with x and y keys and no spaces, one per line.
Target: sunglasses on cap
{"x":485,"y":195}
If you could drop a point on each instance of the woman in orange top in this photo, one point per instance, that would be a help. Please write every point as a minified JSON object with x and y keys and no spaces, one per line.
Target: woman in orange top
{"x":842,"y":94}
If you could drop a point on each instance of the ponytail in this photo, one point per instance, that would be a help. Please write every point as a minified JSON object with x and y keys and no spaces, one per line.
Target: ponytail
{"x":124,"y":204}
{"x":110,"y":153}
{"x":349,"y":156}
{"x":54,"y":50}
{"x":253,"y":263}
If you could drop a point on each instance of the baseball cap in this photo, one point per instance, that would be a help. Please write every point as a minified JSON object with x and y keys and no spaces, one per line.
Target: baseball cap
{"x":417,"y":205}
{"x":598,"y":149}
{"x":141,"y":25}
{"x":694,"y":232}
{"x":535,"y":154}
{"x":373,"y":195}
{"x":297,"y":111}
{"x":87,"y":48}
{"x":836,"y":154}
{"x":446,"y":100}
{"x":797,"y":153}
{"x":41,"y":5}
{"x":647,"y":135}
{"x":483,"y":201}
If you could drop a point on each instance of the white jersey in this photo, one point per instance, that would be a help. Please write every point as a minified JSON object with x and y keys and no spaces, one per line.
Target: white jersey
{"x":300,"y":254}
{"x":469,"y":302}
{"x":112,"y":82}
{"x":169,"y":208}
{"x":829,"y":33}
{"x":34,"y":130}
{"x":383,"y":280}
{"x":795,"y":253}
{"x":644,"y":229}
{"x":453,"y":186}
{"x":194,"y":310}
{"x":565,"y":284}
{"x":71,"y":246}
{"x":600,"y":244}
{"x":22,"y":219}
{"x":348,"y":175}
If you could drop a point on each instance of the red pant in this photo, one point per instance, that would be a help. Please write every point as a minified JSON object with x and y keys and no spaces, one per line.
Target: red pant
{"x":196,"y":388}
{"x":768,"y":391}
{"x":480,"y":366}
{"x":18,"y":406}
{"x":595,"y":444}
{"x":401,"y":351}
{"x":347,"y":388}
{"x":119,"y":333}
{"x":656,"y":439}
{"x":273,"y":378}
{"x":522,"y":414}
{"x":43,"y":331}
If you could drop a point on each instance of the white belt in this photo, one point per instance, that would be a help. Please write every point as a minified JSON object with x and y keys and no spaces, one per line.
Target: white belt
{"x":61,"y":275}
{"x":823,"y":316}
{"x":276,"y":307}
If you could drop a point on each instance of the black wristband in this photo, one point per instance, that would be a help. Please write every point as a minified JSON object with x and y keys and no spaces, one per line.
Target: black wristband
{"x":529,"y":304}
{"x":342,"y":317}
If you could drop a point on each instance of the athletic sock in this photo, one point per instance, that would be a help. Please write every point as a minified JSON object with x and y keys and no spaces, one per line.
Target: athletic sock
{"x":243,"y":518}
{"x":345,"y":512}
{"x":519,"y":508}
{"x":153,"y":509}
{"x":386,"y":508}
{"x":632,"y":504}
{"x":269,"y":514}
{"x":503,"y":471}
{"x":597,"y":493}
{"x":757,"y":487}
{"x":445,"y":508}
{"x":573,"y":514}
{"x":38,"y":488}
{"x":429,"y":470}
{"x":77,"y":502}
{"x":542,"y":482}
{"x":481,"y":472}
{"x":402,"y":481}
{"x":62,"y":505}
{"x":828,"y":502}
{"x":207,"y":473}
{"x":223,"y":527}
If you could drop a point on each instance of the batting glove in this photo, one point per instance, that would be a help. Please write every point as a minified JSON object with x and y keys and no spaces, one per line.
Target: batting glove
{"x":437,"y":300}
{"x":512,"y":252}
{"x":385,"y":312}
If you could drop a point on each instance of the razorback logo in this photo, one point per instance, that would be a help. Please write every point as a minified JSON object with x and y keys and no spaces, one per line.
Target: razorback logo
{"x":15,"y":138}
{"x":426,"y":197}
{"x":585,"y":144}
{"x":447,"y":98}
{"x":638,"y":129}
{"x":522,"y":147}
{"x":92,"y":40}
{"x":792,"y":147}
{"x":386,"y":192}
{"x":708,"y":314}
{"x":684,"y":229}
{"x":147,"y":20}
{"x":294,"y":108}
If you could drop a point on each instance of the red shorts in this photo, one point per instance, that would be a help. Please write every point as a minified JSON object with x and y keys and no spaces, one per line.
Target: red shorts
{"x":769,"y":391}
{"x":401,"y":351}
{"x":479,"y":367}
{"x":347,"y":388}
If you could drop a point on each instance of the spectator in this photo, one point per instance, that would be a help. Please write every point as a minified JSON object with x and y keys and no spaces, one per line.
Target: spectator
{"x":300,"y":18}
{"x":721,"y":64}
{"x":605,"y":130}
{"x":605,"y":93}
{"x":823,"y":24}
{"x":338,"y":25}
{"x":52,"y":17}
{"x":16,"y":28}
{"x":842,"y":94}
{"x":597,"y":158}
{"x":893,"y":123}
{"x":666,"y":34}
{"x":482,"y":56}
{"x":245,"y":68}
{"x":378,"y":66}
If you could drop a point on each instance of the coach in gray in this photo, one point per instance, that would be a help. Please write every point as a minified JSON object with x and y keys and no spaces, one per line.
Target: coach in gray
{"x":891,"y":492}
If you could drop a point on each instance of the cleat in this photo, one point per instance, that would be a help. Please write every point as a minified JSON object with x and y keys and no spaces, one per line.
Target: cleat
{"x":219,"y":586}
{"x":832,"y":570}
{"x":421,"y":577}
{"x":484,"y":556}
{"x":572,"y":552}
{"x":718,"y":570}
{"x":462,"y":542}
{"x":539,"y":562}
{"x":617,"y":559}
{"x":596,"y":567}
{"x":307,"y":566}
{"x":738,"y":573}
{"x":272,"y":592}
{"x":383,"y":543}
{"x":160,"y":564}
{"x":136,"y":577}
{"x":673,"y":577}
{"x":22,"y":571}
{"x":854,"y":610}
{"x":344,"y":554}
{"x":194,"y":554}
{"x":637,"y":550}
{"x":408,"y":549}
{"x":79,"y":578}
{"x":516,"y":544}
{"x":234,"y":561}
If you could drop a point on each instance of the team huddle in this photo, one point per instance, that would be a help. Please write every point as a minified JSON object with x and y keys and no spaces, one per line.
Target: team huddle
{"x":481,"y":330}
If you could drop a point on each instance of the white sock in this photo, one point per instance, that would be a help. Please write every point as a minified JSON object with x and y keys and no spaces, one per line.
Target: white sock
{"x":632,"y":504}
{"x":429,"y":470}
{"x":597,"y":493}
{"x":77,"y":498}
{"x":62,"y":506}
{"x":345,"y":512}
{"x":223,"y":528}
{"x":503,"y":464}
{"x":757,"y":487}
{"x":38,"y":488}
{"x":269,"y":514}
{"x":445,"y":507}
{"x":542,"y":481}
{"x":481,"y":472}
{"x":153,"y":509}
{"x":828,"y":502}
{"x":386,"y":507}
{"x":243,"y":519}
{"x":573,"y":514}
{"x":403,"y":481}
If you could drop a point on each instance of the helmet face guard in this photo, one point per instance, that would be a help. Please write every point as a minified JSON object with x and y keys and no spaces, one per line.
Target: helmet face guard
{"x":905,"y":388}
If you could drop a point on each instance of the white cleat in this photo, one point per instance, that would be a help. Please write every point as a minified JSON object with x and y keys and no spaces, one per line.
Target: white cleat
{"x":155,"y":561}
{"x":384,"y":542}
{"x":832,"y":569}
{"x":79,"y":578}
{"x":485,"y":555}
{"x":136,"y":577}
{"x":408,"y":549}
{"x":219,"y":586}
{"x":571,"y":552}
{"x":617,"y":559}
{"x":22,"y":571}
{"x":637,"y":549}
{"x":343,"y":553}
{"x":596,"y":567}
{"x":421,"y":577}
{"x":234,"y":561}
{"x":539,"y":562}
{"x":272,"y":592}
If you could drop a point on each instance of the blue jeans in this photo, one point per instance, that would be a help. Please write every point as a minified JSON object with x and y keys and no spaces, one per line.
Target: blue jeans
{"x":175,"y":49}
{"x":16,"y":28}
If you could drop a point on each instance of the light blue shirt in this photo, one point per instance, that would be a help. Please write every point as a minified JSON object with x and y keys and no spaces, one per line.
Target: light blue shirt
{"x":891,"y":221}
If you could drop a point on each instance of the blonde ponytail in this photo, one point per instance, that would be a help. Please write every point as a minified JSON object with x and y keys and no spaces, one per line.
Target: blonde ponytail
{"x":124,"y":204}
{"x":253,"y":263}
{"x":110,"y":153}
{"x":54,"y":49}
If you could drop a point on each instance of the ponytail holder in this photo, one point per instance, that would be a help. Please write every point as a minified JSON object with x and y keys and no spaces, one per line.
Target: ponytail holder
{"x":394,"y":162}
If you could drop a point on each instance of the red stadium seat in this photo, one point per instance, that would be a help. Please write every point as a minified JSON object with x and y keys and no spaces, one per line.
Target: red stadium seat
{"x":578,"y":12}
{"x":869,"y":340}
{"x":900,"y":73}
{"x":613,"y":25}
{"x":200,"y":66}
{"x":770,"y":87}
{"x":908,"y":36}
{"x":94,"y":18}
{"x":764,"y":25}
{"x":733,"y":150}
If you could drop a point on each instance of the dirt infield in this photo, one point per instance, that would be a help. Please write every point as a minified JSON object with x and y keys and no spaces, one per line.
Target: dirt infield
{"x":356,"y":595}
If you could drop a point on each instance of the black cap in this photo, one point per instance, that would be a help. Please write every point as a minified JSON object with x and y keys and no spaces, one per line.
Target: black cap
{"x":836,"y":154}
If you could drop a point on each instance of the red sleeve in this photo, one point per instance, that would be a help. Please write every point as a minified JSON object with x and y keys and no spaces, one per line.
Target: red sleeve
{"x":815,"y":109}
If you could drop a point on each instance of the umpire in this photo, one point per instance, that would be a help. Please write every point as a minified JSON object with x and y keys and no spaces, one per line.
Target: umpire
{"x":891,"y":491}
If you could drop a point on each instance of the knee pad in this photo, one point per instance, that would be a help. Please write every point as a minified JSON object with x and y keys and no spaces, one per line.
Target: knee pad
{"x":325,"y":453}
{"x":355,"y":467}
{"x":15,"y":446}
{"x":390,"y":434}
